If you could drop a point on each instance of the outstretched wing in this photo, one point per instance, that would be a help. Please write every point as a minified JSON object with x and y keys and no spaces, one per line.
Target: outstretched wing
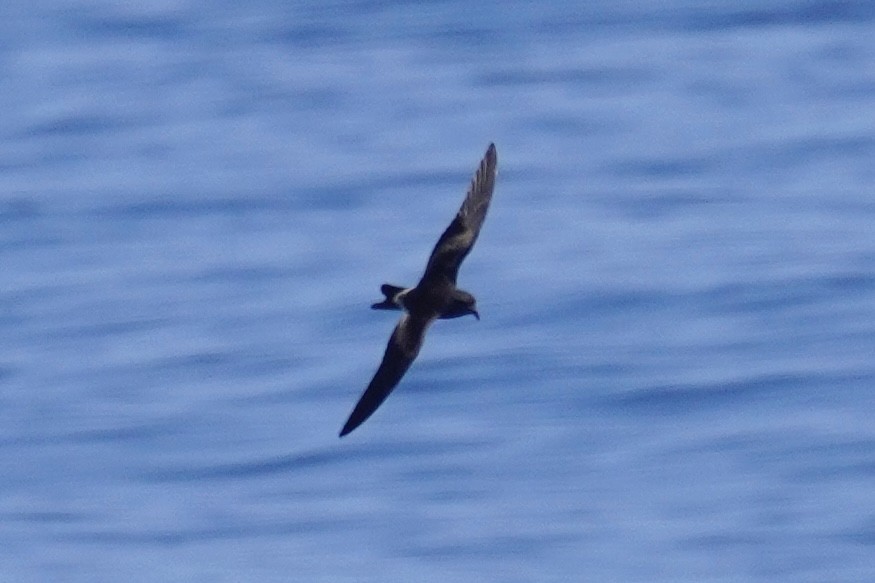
{"x":404,"y":345}
{"x":456,"y":242}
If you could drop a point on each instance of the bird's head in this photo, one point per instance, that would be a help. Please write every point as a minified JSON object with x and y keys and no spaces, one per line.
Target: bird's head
{"x":464,"y":304}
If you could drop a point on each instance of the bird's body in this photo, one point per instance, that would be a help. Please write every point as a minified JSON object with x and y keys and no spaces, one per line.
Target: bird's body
{"x":434,"y":297}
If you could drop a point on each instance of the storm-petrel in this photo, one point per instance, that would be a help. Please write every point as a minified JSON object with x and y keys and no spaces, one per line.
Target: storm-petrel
{"x":435,"y":296}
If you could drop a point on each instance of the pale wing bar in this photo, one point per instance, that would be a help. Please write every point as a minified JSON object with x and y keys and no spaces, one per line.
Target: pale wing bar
{"x":403,"y":346}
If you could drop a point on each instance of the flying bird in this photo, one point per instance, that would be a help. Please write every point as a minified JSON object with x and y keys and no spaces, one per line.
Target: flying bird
{"x":434,"y":297}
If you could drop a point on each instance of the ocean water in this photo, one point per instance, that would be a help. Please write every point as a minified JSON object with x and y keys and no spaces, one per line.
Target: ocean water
{"x":673,"y":380}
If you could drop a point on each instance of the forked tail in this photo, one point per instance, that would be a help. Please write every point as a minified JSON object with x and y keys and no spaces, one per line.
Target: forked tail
{"x":390,"y":291}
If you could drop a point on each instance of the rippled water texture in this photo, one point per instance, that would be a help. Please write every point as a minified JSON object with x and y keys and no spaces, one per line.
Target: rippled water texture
{"x":673,"y":378}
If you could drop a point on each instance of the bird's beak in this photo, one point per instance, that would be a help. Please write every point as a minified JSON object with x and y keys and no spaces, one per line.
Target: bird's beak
{"x":476,"y":314}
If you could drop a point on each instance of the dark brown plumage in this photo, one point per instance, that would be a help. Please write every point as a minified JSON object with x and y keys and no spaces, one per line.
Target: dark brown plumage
{"x":435,"y":296}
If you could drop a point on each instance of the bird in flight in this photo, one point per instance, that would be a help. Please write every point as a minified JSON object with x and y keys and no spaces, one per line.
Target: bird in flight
{"x":434,"y":297}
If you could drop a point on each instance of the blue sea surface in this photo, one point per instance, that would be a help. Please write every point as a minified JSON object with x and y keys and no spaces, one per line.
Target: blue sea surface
{"x":674,"y":377}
